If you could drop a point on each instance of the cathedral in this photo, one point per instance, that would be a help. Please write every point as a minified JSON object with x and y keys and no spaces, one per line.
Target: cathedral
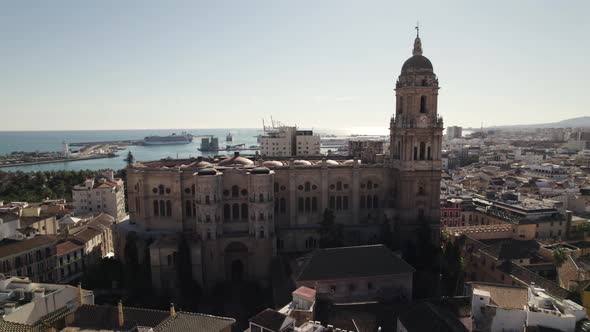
{"x":238,"y":213}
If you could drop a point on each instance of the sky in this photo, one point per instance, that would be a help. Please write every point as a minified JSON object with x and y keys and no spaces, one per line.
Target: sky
{"x":81,"y":65}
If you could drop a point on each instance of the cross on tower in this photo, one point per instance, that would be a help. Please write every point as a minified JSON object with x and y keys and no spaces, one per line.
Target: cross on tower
{"x":417,"y":29}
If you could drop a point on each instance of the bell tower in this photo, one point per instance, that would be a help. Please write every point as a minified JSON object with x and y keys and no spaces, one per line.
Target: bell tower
{"x":415,"y":144}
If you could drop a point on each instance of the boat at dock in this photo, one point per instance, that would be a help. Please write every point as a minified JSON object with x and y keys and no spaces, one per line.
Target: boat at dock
{"x":183,"y":138}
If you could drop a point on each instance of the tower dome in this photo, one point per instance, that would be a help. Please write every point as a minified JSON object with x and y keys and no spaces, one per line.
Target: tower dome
{"x":418,"y":62}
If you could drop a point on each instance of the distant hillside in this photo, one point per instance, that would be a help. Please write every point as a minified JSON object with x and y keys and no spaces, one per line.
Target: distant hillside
{"x":583,"y":121}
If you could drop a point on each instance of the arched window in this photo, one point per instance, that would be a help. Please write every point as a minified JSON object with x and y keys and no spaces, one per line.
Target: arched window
{"x":168,"y":208}
{"x":415,"y":153}
{"x":236,"y":211}
{"x":339,"y":185}
{"x":261,"y":198}
{"x":421,"y":190}
{"x":375,"y":202}
{"x":162,"y":208}
{"x":307,"y":204}
{"x":226,"y":212}
{"x":156,"y":208}
{"x":422,"y":150}
{"x":338,"y":203}
{"x":244,"y":211}
{"x":283,"y":205}
{"x":345,"y":202}
{"x":207,"y":200}
{"x":370,"y":185}
{"x":193,"y":189}
{"x":428,"y":156}
{"x":423,"y":104}
{"x":276,"y":187}
{"x":188,"y":209}
{"x":208,"y":234}
{"x":161,"y":189}
{"x":137,"y":206}
{"x":262,"y":232}
{"x":300,"y":204}
{"x":235,"y":191}
{"x":307,"y":186}
{"x":369,"y":202}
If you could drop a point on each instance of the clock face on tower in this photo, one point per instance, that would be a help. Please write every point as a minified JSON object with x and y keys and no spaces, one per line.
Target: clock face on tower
{"x":422,"y":121}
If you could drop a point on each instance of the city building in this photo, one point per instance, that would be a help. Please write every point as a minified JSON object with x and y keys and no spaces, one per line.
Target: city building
{"x":367,"y":150}
{"x":270,"y":320}
{"x":346,"y":275}
{"x":95,"y":235}
{"x":69,"y":261}
{"x":241,"y":213}
{"x":286,"y":141}
{"x":454,"y":132}
{"x":29,"y":306}
{"x":104,"y":193}
{"x":106,"y":318}
{"x":441,"y":316}
{"x":33,"y":258}
{"x":511,"y":308}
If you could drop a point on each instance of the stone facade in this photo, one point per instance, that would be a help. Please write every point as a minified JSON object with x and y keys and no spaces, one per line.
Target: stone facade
{"x":240,"y":213}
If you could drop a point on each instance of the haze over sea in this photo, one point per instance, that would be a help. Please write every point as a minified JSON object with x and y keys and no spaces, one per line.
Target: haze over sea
{"x":30,"y":141}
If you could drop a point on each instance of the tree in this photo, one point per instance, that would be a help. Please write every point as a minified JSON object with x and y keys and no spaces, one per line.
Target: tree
{"x":559,"y":256}
{"x":130,"y":159}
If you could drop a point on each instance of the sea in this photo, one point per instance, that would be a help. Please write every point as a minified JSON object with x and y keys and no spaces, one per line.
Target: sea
{"x":30,"y":141}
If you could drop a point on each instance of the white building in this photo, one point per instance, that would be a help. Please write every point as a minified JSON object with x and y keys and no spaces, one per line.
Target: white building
{"x":497,"y":307}
{"x":548,"y":171}
{"x":25,"y":303}
{"x":101,"y":194}
{"x":9,"y":225}
{"x":285,"y":141}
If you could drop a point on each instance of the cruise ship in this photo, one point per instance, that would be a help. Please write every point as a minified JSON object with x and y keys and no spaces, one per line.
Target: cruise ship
{"x":183,"y":138}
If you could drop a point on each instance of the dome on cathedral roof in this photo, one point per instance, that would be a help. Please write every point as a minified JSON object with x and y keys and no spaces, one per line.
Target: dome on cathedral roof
{"x":350,"y":162}
{"x":272,"y":163}
{"x":260,"y":170}
{"x":236,"y":160}
{"x":207,"y":171}
{"x":203,"y":163}
{"x":302,"y":163}
{"x":417,"y":63}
